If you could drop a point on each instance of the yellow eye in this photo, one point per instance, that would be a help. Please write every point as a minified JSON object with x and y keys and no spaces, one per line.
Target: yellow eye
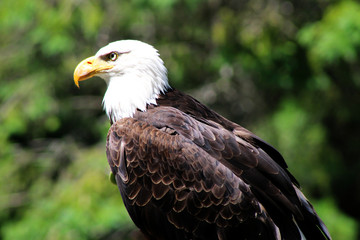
{"x":113,"y":56}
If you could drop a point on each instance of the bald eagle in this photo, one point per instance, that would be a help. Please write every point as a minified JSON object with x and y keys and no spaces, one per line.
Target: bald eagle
{"x":183,"y":170}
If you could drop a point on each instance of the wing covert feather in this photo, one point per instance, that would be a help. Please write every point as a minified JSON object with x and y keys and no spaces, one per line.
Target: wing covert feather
{"x":233,"y":150}
{"x":168,"y":170}
{"x":194,"y":173}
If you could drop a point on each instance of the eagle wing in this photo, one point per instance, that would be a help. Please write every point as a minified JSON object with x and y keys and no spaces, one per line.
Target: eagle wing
{"x":182,"y":178}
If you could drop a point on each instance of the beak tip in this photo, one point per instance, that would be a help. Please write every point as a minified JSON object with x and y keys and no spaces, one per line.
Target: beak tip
{"x":77,"y":84}
{"x":76,"y":81}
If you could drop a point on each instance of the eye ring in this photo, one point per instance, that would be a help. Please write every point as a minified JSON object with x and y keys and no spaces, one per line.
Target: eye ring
{"x":113,"y":56}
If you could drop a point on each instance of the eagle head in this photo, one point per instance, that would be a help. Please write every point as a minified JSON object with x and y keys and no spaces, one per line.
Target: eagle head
{"x":134,"y":73}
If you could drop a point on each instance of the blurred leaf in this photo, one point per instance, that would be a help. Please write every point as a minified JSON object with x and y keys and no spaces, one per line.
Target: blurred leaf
{"x":336,"y":36}
{"x":83,"y":204}
{"x":340,"y":225}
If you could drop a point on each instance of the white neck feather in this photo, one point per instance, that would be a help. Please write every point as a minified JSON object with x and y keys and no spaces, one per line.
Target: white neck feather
{"x":129,"y":92}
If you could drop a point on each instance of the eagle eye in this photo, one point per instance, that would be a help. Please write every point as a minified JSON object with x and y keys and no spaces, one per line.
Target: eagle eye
{"x":113,"y":56}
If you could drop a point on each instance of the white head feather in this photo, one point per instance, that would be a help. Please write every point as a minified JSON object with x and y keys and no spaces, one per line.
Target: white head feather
{"x":137,"y":78}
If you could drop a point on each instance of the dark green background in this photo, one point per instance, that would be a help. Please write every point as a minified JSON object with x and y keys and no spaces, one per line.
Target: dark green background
{"x":287,"y":70}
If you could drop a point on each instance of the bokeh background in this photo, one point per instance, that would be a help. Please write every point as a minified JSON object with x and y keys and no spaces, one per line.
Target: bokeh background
{"x":287,"y":70}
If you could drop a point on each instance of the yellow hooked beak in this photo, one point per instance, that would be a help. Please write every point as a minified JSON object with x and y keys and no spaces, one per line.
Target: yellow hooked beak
{"x":89,"y":67}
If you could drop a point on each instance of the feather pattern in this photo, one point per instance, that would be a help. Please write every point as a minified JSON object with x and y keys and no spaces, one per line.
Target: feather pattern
{"x":204,"y":177}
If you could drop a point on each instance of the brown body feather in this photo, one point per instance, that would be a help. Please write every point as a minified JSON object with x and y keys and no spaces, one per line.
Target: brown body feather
{"x":185,"y":172}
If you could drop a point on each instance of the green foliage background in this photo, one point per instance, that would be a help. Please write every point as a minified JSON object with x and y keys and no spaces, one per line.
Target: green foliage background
{"x":287,"y":70}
